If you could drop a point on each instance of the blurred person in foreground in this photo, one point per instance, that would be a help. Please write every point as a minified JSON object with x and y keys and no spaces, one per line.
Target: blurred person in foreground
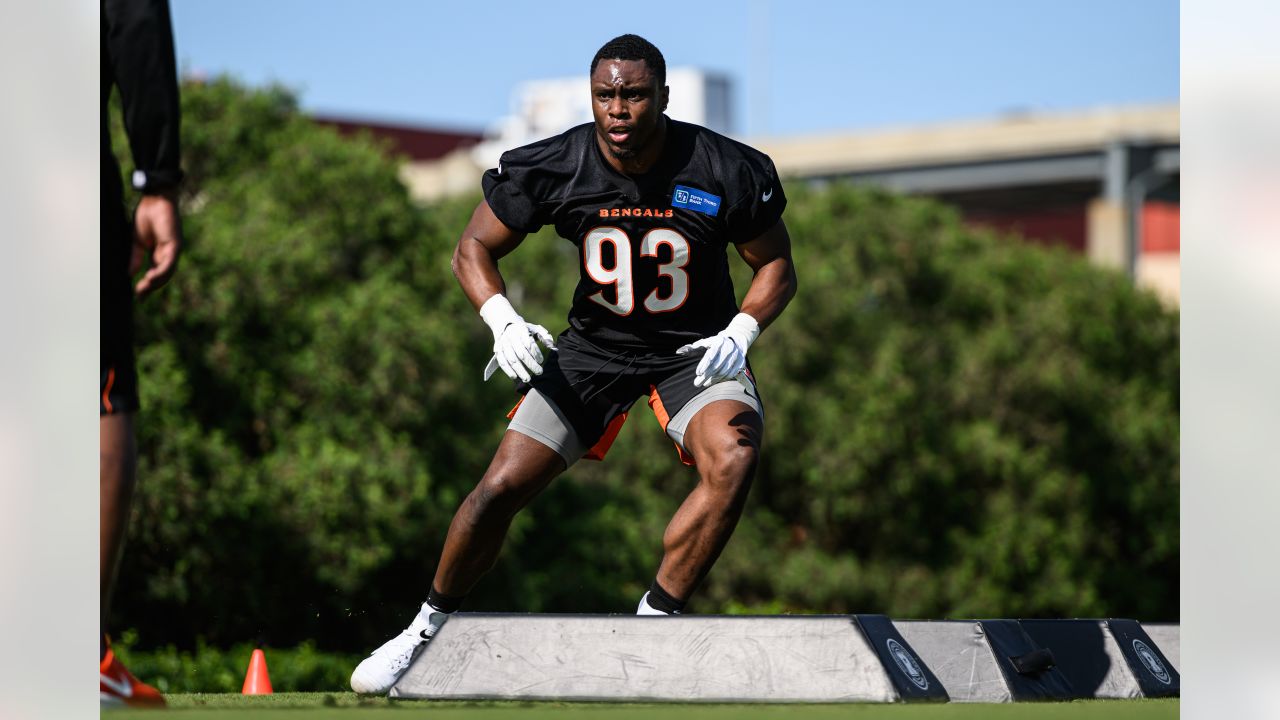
{"x":652,"y":204}
{"x":137,"y":58}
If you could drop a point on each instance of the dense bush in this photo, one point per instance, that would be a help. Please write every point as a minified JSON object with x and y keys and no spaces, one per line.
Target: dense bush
{"x":214,"y":670}
{"x":957,"y":424}
{"x":963,"y":425}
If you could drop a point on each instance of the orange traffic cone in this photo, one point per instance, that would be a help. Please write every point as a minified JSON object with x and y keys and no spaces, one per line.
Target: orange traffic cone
{"x":256,"y":680}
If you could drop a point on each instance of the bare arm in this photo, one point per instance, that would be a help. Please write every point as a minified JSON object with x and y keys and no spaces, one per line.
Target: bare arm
{"x":774,"y":283}
{"x":475,"y":261}
{"x":137,"y":44}
{"x":772,"y":287}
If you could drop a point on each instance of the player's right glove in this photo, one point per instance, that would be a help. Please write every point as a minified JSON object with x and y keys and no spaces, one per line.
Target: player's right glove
{"x":515,"y":342}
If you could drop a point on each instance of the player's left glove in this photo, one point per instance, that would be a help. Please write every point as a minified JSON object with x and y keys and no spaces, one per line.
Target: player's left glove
{"x":726,"y":352}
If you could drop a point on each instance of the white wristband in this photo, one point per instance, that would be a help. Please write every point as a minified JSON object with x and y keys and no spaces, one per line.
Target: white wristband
{"x":745,"y":328}
{"x":497,"y":313}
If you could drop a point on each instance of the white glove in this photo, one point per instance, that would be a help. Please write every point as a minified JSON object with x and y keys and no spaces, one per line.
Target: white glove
{"x":726,"y":353}
{"x":515,"y":342}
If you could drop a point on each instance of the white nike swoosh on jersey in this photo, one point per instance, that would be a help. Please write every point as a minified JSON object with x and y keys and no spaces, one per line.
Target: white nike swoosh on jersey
{"x":121,"y":687}
{"x":768,"y":194}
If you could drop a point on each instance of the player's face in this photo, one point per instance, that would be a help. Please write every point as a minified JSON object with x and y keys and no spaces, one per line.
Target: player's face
{"x":627,"y":103}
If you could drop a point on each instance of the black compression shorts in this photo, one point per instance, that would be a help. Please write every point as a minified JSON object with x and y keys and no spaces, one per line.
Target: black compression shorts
{"x":595,"y":388}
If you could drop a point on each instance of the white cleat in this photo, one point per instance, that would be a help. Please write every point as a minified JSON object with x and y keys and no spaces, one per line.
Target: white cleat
{"x":377,"y":673}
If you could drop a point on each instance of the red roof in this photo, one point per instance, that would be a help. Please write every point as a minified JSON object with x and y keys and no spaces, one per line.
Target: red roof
{"x":417,"y":143}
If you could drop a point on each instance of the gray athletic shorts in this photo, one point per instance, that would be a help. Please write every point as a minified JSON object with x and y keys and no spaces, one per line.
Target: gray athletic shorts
{"x":539,"y":418}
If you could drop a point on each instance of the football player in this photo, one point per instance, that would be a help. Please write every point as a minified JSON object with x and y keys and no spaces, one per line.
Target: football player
{"x":653,"y":205}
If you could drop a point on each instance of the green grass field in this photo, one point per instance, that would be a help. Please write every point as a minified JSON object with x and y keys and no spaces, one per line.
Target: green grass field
{"x":347,"y":706}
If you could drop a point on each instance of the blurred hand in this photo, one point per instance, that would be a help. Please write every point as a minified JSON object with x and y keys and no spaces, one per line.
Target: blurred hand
{"x":157,"y":232}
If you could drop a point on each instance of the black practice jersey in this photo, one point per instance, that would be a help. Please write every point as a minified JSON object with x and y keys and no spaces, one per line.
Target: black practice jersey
{"x":652,"y":248}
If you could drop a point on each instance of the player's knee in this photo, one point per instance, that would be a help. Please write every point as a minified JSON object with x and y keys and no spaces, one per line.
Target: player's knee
{"x":729,"y":466}
{"x":497,"y":493}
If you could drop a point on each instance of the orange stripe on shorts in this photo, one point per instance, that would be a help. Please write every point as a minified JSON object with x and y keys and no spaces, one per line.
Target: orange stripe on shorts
{"x":660,"y":412}
{"x":601,"y":448}
{"x":106,"y":391}
{"x":512,"y":414}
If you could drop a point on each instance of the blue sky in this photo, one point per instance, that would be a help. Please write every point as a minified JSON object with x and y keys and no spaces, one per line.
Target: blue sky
{"x":797,"y":66}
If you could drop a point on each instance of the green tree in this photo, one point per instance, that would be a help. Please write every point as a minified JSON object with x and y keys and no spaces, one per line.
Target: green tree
{"x":296,"y":376}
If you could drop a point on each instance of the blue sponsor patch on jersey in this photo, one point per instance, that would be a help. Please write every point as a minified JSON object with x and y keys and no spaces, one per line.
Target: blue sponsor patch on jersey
{"x":695,"y":200}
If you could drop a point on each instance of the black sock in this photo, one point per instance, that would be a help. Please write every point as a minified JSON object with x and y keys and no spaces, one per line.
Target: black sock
{"x":660,"y":599}
{"x":444,"y":603}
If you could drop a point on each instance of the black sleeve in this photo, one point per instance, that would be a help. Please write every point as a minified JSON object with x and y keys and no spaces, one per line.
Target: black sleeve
{"x":759,"y":201}
{"x":138,"y":43}
{"x":521,"y":191}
